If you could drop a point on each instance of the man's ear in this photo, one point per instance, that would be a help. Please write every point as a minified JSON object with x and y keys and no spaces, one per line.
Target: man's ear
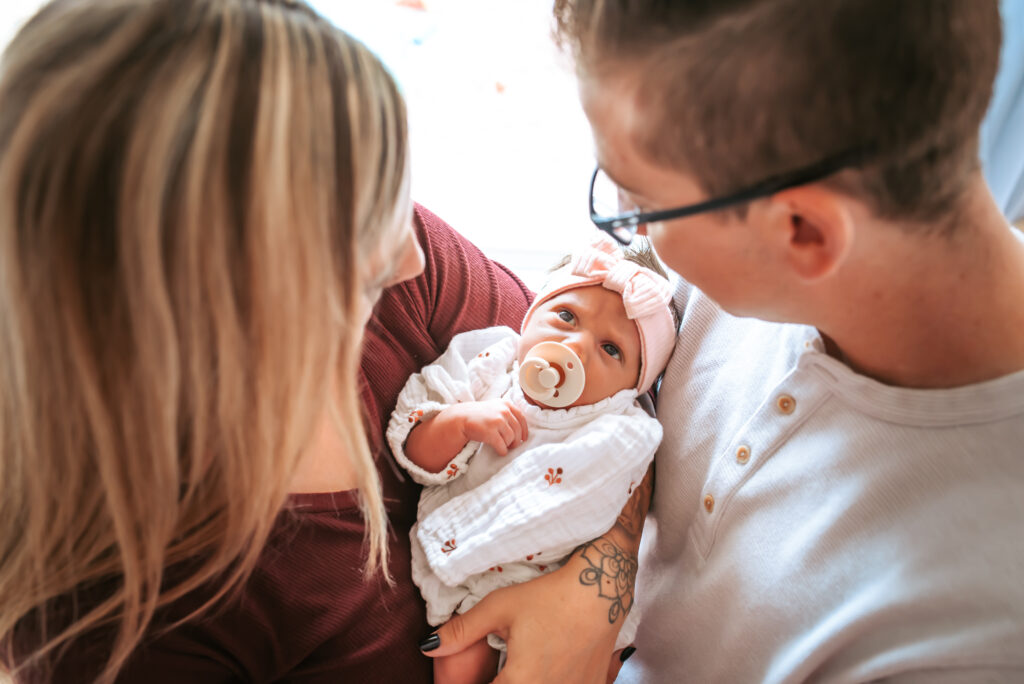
{"x":813,"y":228}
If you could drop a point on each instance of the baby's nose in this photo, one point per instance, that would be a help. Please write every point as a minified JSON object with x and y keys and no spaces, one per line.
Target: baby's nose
{"x":578,"y":346}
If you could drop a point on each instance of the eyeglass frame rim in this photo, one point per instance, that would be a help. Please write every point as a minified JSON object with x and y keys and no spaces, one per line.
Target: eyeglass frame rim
{"x":769,"y":186}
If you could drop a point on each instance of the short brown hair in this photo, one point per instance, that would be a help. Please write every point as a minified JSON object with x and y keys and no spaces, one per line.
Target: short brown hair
{"x":639,"y":252}
{"x":739,"y":90}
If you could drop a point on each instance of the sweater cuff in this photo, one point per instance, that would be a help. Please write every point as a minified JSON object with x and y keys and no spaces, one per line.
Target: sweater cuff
{"x":398,"y":432}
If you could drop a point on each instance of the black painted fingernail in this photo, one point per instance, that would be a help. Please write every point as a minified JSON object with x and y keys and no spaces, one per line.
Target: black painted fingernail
{"x":430,"y":643}
{"x":626,"y":652}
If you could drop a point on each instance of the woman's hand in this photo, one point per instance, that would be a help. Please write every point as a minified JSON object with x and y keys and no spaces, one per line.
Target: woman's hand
{"x":561,"y":627}
{"x":555,"y":629}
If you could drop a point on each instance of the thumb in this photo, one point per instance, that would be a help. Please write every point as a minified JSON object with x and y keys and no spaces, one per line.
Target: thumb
{"x":462,"y":631}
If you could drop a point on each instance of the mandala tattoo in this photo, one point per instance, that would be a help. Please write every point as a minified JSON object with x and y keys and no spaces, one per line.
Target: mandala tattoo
{"x":612,"y":568}
{"x":613,"y":572}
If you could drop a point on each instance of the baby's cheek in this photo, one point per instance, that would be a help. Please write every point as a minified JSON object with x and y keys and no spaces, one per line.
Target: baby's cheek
{"x":521,"y":350}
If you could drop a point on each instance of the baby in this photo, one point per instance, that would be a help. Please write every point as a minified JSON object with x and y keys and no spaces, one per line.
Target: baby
{"x":530,"y":445}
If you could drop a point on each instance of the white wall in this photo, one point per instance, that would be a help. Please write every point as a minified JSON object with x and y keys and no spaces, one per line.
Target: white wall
{"x":501,"y":148}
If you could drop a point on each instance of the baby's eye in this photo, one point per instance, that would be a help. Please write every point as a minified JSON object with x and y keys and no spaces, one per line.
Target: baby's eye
{"x":611,"y":350}
{"x":566,"y":315}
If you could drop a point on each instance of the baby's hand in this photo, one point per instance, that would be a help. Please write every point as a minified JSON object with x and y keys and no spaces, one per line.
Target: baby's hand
{"x":495,"y":422}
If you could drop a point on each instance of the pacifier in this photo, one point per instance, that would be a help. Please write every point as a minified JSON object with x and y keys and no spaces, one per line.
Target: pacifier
{"x":552,"y":374}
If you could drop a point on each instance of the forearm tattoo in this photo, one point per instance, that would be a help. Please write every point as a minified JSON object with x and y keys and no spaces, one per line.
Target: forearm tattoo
{"x":611,"y":568}
{"x":613,"y":571}
{"x":631,"y":521}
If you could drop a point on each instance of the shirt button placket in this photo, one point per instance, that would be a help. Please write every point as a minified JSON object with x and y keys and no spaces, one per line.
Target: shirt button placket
{"x":729,"y":474}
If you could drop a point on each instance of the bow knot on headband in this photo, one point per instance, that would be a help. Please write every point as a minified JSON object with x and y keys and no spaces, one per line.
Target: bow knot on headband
{"x":644,"y":292}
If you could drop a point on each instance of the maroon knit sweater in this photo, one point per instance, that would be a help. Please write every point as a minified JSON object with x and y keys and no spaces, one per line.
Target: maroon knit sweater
{"x":307,"y":614}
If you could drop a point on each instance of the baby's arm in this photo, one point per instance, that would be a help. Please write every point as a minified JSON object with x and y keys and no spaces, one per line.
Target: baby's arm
{"x":429,"y":416}
{"x":433,"y":443}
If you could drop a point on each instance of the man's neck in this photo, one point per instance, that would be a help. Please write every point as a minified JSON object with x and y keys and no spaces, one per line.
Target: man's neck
{"x":935,"y":311}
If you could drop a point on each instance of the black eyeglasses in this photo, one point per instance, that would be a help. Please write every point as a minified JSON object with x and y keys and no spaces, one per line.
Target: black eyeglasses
{"x":605,"y":210}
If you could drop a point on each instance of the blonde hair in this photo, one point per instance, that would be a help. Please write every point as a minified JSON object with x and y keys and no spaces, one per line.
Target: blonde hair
{"x":190,"y":191}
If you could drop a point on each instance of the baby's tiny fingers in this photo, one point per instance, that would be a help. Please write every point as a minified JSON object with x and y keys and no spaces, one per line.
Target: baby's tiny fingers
{"x":507,"y":434}
{"x":498,"y":444}
{"x":520,"y":420}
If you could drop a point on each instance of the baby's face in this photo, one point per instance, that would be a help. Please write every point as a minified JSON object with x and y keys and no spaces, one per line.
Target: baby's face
{"x":592,"y":322}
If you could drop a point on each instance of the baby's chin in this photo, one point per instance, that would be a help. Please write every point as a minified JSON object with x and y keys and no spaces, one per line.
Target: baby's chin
{"x":540,"y":404}
{"x":533,"y":402}
{"x":582,"y":401}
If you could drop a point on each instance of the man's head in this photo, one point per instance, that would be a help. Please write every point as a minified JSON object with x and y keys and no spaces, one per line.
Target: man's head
{"x":695,"y":100}
{"x":734,"y":91}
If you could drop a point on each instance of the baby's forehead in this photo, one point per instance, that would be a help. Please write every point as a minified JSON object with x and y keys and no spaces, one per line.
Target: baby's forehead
{"x":604,"y":308}
{"x":591,"y":294}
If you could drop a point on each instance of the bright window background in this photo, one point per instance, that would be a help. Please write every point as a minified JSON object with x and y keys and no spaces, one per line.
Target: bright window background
{"x":13,"y":15}
{"x":501,"y":148}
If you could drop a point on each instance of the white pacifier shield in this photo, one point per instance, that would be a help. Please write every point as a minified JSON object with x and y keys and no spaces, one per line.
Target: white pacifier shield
{"x":552,"y":374}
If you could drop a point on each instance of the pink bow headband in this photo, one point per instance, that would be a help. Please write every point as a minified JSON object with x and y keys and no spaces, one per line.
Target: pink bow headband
{"x":647,"y":298}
